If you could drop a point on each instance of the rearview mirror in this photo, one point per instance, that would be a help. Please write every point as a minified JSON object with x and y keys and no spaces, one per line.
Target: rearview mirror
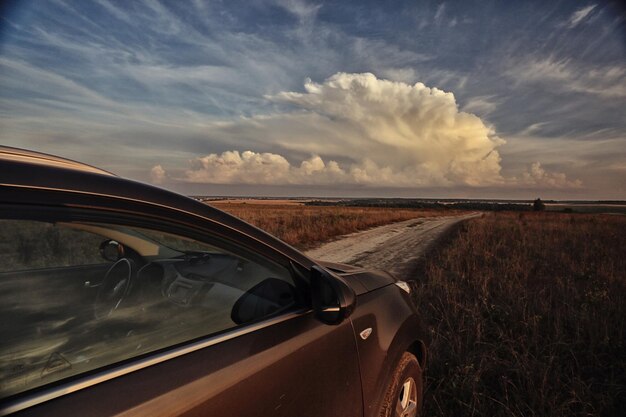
{"x":333,"y":300}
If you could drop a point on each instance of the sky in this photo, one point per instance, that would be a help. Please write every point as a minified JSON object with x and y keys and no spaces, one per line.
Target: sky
{"x":466,"y":99}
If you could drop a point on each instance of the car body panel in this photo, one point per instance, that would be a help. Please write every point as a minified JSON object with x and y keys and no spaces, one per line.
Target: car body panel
{"x":362,"y":280}
{"x":395,"y":327}
{"x":261,"y":373}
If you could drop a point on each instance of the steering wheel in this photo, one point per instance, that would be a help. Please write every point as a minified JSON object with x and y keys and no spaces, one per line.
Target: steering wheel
{"x":114,"y":288}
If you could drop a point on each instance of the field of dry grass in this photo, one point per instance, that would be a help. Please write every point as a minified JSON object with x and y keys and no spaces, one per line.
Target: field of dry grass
{"x":528,"y":313}
{"x":305,"y":226}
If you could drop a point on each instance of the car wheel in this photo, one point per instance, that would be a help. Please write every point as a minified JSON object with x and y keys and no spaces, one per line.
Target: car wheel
{"x":404,"y":393}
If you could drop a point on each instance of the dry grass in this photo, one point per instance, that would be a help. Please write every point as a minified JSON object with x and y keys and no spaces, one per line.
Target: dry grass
{"x":528,"y":313}
{"x":306,"y":226}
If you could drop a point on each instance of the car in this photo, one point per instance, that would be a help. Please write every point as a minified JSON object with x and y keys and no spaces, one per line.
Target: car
{"x":119,"y":298}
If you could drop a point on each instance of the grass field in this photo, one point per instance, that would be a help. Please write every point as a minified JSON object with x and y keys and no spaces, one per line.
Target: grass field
{"x":528,"y":313}
{"x":305,"y":226}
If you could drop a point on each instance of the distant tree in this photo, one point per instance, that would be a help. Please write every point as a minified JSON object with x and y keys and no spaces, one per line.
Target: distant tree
{"x":538,"y":205}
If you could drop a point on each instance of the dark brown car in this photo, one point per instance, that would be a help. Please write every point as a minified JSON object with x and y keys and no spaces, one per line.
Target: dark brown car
{"x":122,"y":299}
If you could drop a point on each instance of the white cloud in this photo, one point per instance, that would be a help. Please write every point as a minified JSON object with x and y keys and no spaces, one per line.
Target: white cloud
{"x":115,"y":11}
{"x":405,"y":75}
{"x":609,"y":81}
{"x":536,"y":175}
{"x":441,"y":9}
{"x":233,"y":167}
{"x":481,"y":105}
{"x":579,"y":15}
{"x":533,"y":128}
{"x":397,"y":125}
{"x":588,"y":157}
{"x":157,"y":174}
{"x":305,"y":11}
{"x":361,"y":130}
{"x":366,"y":131}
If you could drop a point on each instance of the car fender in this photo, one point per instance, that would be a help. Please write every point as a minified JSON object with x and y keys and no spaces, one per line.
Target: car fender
{"x":395,"y":328}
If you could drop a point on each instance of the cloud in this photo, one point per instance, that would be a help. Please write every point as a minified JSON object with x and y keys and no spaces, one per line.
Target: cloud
{"x":233,"y":167}
{"x":303,"y":10}
{"x":360,"y":130}
{"x":248,"y":167}
{"x":78,"y":79}
{"x":157,"y":174}
{"x":481,"y":105}
{"x":592,"y":159}
{"x":400,"y":126}
{"x":536,"y":175}
{"x":441,"y":9}
{"x":533,"y":128}
{"x":406,"y":75}
{"x":114,"y":11}
{"x":579,"y":15}
{"x":564,"y":75}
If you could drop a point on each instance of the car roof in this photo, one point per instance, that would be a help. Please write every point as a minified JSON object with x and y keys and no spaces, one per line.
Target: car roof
{"x":33,"y":157}
{"x":32,"y":173}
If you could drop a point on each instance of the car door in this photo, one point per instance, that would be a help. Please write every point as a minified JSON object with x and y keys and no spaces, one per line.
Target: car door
{"x":182,"y":323}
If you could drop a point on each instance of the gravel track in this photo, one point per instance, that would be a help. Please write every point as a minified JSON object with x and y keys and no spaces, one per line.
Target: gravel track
{"x":394,"y":247}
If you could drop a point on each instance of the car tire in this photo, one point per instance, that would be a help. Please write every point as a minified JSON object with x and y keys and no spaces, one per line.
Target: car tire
{"x":404,"y":393}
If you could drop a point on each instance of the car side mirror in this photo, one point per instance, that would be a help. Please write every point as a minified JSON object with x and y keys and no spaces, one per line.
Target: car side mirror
{"x":269,"y":297}
{"x":332,"y":298}
{"x":111,"y":250}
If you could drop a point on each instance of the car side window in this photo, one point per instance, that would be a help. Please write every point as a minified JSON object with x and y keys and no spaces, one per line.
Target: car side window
{"x":79,"y":296}
{"x":30,"y":245}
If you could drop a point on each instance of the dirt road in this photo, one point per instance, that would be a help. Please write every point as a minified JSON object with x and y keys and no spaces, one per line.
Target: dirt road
{"x":394,"y":247}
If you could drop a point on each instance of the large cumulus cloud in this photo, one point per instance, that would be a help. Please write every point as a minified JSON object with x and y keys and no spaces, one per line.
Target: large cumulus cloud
{"x":357,"y":129}
{"x":406,"y":128}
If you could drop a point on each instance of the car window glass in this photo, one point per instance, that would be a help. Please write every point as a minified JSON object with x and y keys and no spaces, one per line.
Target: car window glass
{"x":64,"y":314}
{"x":30,"y":245}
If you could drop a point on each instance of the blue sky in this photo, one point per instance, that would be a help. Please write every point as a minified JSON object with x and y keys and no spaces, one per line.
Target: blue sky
{"x":352,"y":98}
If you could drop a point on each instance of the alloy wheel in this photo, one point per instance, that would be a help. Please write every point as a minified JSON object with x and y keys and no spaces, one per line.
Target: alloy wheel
{"x":406,"y":405}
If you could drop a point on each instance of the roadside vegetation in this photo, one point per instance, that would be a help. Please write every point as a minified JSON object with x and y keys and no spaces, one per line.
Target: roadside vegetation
{"x":306,"y":226}
{"x":528,"y":316}
{"x":617,"y":207}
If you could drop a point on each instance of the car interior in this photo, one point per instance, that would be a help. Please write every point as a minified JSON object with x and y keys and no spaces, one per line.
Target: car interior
{"x":96,"y":294}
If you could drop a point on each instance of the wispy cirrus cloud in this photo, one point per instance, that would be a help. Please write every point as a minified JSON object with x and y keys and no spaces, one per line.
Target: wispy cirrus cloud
{"x":440,"y":13}
{"x":481,"y":105}
{"x":566,"y":75}
{"x":579,"y":15}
